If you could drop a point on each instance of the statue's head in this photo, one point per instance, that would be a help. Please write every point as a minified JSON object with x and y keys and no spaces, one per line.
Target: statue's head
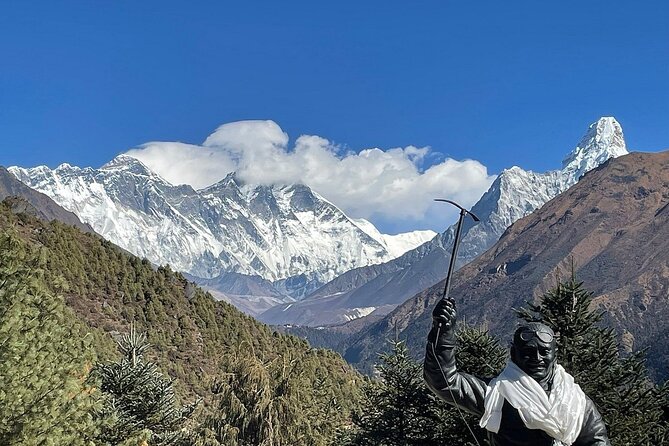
{"x":534,"y":350}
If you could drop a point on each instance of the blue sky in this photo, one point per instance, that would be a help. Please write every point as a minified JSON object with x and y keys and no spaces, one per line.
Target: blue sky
{"x":502,"y":83}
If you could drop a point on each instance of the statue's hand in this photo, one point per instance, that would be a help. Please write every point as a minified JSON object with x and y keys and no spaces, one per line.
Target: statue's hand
{"x":444,"y":313}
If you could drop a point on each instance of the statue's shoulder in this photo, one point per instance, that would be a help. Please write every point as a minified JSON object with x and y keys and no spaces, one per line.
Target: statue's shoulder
{"x":593,"y":431}
{"x":591,"y":409}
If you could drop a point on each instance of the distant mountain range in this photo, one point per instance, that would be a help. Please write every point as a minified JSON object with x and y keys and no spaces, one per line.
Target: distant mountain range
{"x":378,"y":289}
{"x":265,"y":248}
{"x":287,"y":235}
{"x":613,"y":226}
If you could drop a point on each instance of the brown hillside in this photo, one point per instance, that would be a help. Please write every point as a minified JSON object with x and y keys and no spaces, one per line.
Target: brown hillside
{"x":613,"y":224}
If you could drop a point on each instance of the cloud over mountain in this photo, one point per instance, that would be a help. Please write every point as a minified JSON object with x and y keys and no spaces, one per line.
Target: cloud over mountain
{"x":389,"y":184}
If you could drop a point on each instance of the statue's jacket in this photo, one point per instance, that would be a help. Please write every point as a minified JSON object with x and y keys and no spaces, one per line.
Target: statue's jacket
{"x":468,"y":392}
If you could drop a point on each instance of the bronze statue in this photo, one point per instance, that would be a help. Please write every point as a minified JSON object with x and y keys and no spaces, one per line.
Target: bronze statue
{"x":533,"y":402}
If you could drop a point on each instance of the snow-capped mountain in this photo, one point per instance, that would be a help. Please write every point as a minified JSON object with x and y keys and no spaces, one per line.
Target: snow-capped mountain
{"x":288,"y":234}
{"x":514,"y":194}
{"x":603,"y":140}
{"x":396,"y":244}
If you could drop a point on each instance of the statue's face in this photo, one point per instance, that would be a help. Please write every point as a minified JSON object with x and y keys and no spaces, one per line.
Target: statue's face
{"x":534,"y":351}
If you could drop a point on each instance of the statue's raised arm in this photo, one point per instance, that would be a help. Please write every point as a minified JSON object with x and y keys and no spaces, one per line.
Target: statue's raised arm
{"x":439,"y":369}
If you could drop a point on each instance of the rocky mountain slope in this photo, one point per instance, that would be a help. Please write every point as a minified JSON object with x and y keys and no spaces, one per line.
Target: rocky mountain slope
{"x":613,"y":225}
{"x":514,"y":194}
{"x":288,"y":235}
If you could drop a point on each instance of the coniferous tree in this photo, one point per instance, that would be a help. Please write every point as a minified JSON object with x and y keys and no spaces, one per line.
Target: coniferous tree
{"x":396,"y":409}
{"x":247,"y":408}
{"x":139,"y":402}
{"x":271,"y":400}
{"x":44,"y":357}
{"x":632,"y":406}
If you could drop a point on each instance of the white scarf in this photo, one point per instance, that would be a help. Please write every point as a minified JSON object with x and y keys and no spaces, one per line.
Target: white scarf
{"x":560,"y":415}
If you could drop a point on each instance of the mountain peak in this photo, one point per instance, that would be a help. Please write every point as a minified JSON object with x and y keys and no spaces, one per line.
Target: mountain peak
{"x":230,"y":181}
{"x":127,"y":163}
{"x":603,"y":140}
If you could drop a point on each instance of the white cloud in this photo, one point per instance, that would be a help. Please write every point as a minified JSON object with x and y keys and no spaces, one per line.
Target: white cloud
{"x":248,"y":136}
{"x":181,"y":163}
{"x":374,"y":183}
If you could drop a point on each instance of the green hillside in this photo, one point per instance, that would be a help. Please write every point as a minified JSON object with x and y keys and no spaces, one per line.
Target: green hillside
{"x":194,"y":339}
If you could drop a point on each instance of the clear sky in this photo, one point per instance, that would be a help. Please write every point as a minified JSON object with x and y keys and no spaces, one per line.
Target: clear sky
{"x":504,"y":83}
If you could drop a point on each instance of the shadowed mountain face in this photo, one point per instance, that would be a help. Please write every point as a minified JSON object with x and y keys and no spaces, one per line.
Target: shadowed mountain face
{"x":25,"y":199}
{"x":613,"y":225}
{"x":390,"y":285}
{"x":514,"y":194}
{"x":250,"y":294}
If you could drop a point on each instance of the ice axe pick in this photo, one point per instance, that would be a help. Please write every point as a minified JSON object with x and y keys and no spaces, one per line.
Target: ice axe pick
{"x":456,"y":244}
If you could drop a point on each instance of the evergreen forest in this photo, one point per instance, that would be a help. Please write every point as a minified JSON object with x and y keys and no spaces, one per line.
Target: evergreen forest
{"x":99,"y":347}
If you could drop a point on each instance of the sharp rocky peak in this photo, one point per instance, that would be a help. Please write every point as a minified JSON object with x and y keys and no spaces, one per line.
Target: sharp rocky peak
{"x":232,"y":178}
{"x":230,"y":182}
{"x":603,"y":140}
{"x":127,"y":163}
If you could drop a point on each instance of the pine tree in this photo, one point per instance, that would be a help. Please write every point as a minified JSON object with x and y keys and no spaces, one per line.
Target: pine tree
{"x":631,"y":405}
{"x":247,"y":408}
{"x":139,"y":402}
{"x":397,"y":407}
{"x":267,"y":401}
{"x":44,"y":357}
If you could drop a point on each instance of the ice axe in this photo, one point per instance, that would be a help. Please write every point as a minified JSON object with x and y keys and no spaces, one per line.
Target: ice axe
{"x":456,"y":244}
{"x":447,"y":287}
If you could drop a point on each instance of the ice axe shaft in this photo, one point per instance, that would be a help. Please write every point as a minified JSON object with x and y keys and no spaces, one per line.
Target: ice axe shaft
{"x":447,"y":287}
{"x":456,"y":244}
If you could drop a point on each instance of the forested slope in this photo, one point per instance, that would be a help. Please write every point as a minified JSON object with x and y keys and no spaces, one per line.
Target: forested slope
{"x":193,"y":338}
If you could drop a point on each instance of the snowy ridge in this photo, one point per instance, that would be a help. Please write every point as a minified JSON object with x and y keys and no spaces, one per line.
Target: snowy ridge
{"x":516,"y":193}
{"x":288,"y":234}
{"x":396,"y":244}
{"x":356,"y":313}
